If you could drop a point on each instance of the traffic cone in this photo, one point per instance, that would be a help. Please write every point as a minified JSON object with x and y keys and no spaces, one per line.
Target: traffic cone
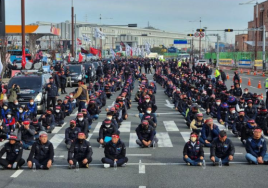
{"x":240,"y":80}
{"x":249,"y":82}
{"x":259,"y":85}
{"x":248,"y":72}
{"x":263,"y":75}
{"x":228,"y":77}
{"x":261,"y":96}
{"x":254,"y":73}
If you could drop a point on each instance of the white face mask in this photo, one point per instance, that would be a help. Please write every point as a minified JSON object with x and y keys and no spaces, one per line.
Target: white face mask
{"x":209,"y":87}
{"x":147,"y":100}
{"x":8,"y":116}
{"x":123,"y":98}
{"x":246,"y":92}
{"x":233,"y":111}
{"x":148,"y":112}
{"x":193,"y":139}
{"x":31,"y":103}
{"x":16,"y":103}
{"x":57,"y":111}
{"x":80,"y":119}
{"x":109,"y":118}
{"x":71,"y":96}
{"x":107,"y":126}
{"x":5,"y":107}
{"x":218,"y":103}
{"x":20,"y":111}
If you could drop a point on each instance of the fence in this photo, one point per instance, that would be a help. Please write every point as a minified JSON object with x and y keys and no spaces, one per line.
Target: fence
{"x":234,"y":55}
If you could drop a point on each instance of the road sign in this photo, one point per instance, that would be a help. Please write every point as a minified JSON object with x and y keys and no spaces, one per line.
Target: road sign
{"x":201,"y":34}
{"x":180,"y":41}
{"x":196,"y":34}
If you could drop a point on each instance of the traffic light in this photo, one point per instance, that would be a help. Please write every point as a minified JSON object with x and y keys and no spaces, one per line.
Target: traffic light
{"x":200,"y":30}
{"x":132,"y":25}
{"x":228,"y":30}
{"x":190,"y":35}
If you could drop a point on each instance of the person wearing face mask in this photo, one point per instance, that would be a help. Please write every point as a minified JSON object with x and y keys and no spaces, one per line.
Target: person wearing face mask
{"x":231,"y":117}
{"x":82,"y":123}
{"x":215,"y":108}
{"x":237,"y":92}
{"x":256,"y":148}
{"x":106,"y":131}
{"x":14,"y":107}
{"x":110,"y":116}
{"x":71,"y":133}
{"x":250,"y":110}
{"x":247,"y":95}
{"x":262,"y":120}
{"x":13,"y":150}
{"x":21,"y":115}
{"x":32,"y":108}
{"x":59,"y":103}
{"x":87,"y":118}
{"x":193,"y":153}
{"x":59,"y":116}
{"x":67,"y":106}
{"x":3,"y":130}
{"x":143,"y":106}
{"x":80,"y":151}
{"x":222,"y":148}
{"x":241,"y":105}
{"x":209,"y":132}
{"x":52,"y":93}
{"x":48,"y":121}
{"x":4,"y":111}
{"x":13,"y":93}
{"x":247,"y":130}
{"x":240,"y":122}
{"x":152,"y":117}
{"x":26,"y":134}
{"x":146,"y":135}
{"x":37,"y":127}
{"x":10,"y":122}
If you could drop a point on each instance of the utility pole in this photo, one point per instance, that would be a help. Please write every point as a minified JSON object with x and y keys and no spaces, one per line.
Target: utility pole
{"x":200,"y":41}
{"x":72,"y":10}
{"x":23,"y":24}
{"x":256,"y":32}
{"x":101,"y":44}
{"x":263,"y":49}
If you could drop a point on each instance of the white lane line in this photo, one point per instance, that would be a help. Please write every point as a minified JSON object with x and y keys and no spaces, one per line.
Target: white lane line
{"x":132,"y":140}
{"x":89,"y":136}
{"x":170,"y":126}
{"x":74,"y":114}
{"x":60,"y":156}
{"x":97,"y":128}
{"x":142,"y":169}
{"x":185,"y":136}
{"x":57,"y":139}
{"x":139,"y":155}
{"x":111,"y":105}
{"x":142,"y":186}
{"x":16,"y":174}
{"x":57,"y":129}
{"x":221,"y":127}
{"x":125,"y":127}
{"x":235,"y":153}
{"x":162,"y":113}
{"x":163,"y":140}
{"x":3,"y":143}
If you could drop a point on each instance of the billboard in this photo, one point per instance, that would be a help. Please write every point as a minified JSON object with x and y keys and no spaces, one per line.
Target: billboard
{"x":180,"y":41}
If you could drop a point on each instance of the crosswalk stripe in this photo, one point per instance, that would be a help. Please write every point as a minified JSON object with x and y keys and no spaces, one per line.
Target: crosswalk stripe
{"x":57,"y":139}
{"x":97,"y":128}
{"x":132,"y":140}
{"x":3,"y":143}
{"x":89,"y":136}
{"x":163,"y":139}
{"x":125,"y":127}
{"x":57,"y":129}
{"x":170,"y":126}
{"x":221,"y":127}
{"x":185,"y":136}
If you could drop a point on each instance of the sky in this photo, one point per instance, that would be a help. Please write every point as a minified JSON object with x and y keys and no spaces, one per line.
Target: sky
{"x":180,"y":16}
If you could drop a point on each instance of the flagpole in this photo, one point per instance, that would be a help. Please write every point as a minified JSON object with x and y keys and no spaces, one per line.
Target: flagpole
{"x":72,"y":10}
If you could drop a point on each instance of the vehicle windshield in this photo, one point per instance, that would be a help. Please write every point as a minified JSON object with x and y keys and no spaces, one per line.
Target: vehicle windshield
{"x":75,"y":69}
{"x":26,"y":82}
{"x":96,"y":64}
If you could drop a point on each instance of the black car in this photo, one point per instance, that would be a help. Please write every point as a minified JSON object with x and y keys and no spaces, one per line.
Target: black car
{"x":32,"y":86}
{"x":77,"y":72}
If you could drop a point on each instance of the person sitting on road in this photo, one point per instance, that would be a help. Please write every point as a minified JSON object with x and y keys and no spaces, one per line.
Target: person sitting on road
{"x":256,"y":148}
{"x":32,"y":106}
{"x":42,"y":153}
{"x":37,"y":127}
{"x":67,"y":106}
{"x":21,"y":115}
{"x":240,"y":122}
{"x":222,"y":148}
{"x":146,"y":135}
{"x":115,"y":152}
{"x":247,"y":130}
{"x":10,"y":122}
{"x":250,"y":111}
{"x":209,"y":132}
{"x":152,"y":117}
{"x":197,"y":123}
{"x":3,"y":130}
{"x":82,"y":123}
{"x":80,"y":152}
{"x":241,"y":105}
{"x":144,"y":105}
{"x":247,"y":95}
{"x":193,"y":152}
{"x":231,"y":116}
{"x":110,"y":117}
{"x":106,"y":131}
{"x":93,"y":110}
{"x":48,"y":121}
{"x":4,"y":110}
{"x":262,"y":120}
{"x":222,"y":114}
{"x":13,"y":150}
{"x":71,"y":133}
{"x":59,"y":116}
{"x":26,"y":134}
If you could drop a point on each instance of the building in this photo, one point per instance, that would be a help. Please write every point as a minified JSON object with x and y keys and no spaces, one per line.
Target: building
{"x":240,"y":42}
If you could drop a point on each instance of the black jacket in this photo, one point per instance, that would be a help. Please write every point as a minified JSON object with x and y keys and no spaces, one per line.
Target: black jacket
{"x":222,"y":149}
{"x":13,"y":152}
{"x":115,"y":151}
{"x":71,"y":134}
{"x":80,"y":151}
{"x":26,"y":135}
{"x":41,"y":152}
{"x":193,"y":152}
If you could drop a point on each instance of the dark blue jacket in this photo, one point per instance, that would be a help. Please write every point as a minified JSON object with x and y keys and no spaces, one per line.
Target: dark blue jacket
{"x":32,"y":108}
{"x":52,"y":91}
{"x":205,"y":131}
{"x":257,"y":148}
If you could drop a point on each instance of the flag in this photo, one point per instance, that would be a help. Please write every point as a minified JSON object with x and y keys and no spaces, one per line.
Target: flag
{"x":86,"y":38}
{"x":112,"y":52}
{"x":80,"y":58}
{"x":120,"y":47}
{"x":84,"y":51}
{"x":93,"y":51}
{"x":131,"y":52}
{"x":69,"y":58}
{"x":122,"y":44}
{"x":23,"y":60}
{"x":99,"y":53}
{"x":99,"y":34}
{"x":79,"y":41}
{"x":1,"y":66}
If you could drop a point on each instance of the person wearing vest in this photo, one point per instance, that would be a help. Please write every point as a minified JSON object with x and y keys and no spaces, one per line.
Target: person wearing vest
{"x":256,"y":148}
{"x":82,"y":95}
{"x":197,"y":123}
{"x":217,"y":74}
{"x":106,"y":131}
{"x":193,"y":152}
{"x":13,"y":150}
{"x":80,"y":152}
{"x":42,"y":153}
{"x":222,"y":148}
{"x":266,"y":88}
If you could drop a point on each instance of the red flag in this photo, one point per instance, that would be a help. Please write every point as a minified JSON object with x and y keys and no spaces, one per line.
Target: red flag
{"x":131,"y":52}
{"x":94,"y":51}
{"x":80,"y":58}
{"x":69,"y":58}
{"x":23,"y":60}
{"x":99,"y":53}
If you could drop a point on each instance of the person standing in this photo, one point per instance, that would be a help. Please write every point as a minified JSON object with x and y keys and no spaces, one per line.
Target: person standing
{"x":266,"y":89}
{"x":52,"y":93}
{"x":82,"y":95}
{"x":68,"y":76}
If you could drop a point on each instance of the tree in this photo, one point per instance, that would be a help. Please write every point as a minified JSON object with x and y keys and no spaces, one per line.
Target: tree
{"x":3,"y":52}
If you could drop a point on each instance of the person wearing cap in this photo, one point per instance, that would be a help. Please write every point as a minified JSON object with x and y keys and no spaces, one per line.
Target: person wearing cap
{"x":26,"y":134}
{"x":32,"y":108}
{"x":106,"y":131}
{"x":222,"y":115}
{"x":250,"y":111}
{"x":67,"y":106}
{"x":93,"y":110}
{"x":80,"y":151}
{"x":87,"y":117}
{"x":82,"y":123}
{"x":42,"y":153}
{"x":209,"y":132}
{"x":231,"y":116}
{"x":239,"y":122}
{"x":37,"y":127}
{"x":152,"y":116}
{"x":71,"y":133}
{"x":237,"y":92}
{"x":222,"y":148}
{"x":59,"y":103}
{"x":48,"y":121}
{"x":52,"y":93}
{"x":3,"y":130}
{"x":142,"y":107}
{"x":247,"y":95}
{"x":115,"y":152}
{"x":215,"y":108}
{"x":146,"y":135}
{"x":110,"y":116}
{"x":197,"y":123}
{"x":59,"y":116}
{"x":241,"y":105}
{"x":191,"y":114}
{"x":81,"y":95}
{"x":193,"y":152}
{"x":247,"y":130}
{"x":10,"y":122}
{"x":13,"y":150}
{"x":256,"y":148}
{"x":4,"y":110}
{"x":262,"y":120}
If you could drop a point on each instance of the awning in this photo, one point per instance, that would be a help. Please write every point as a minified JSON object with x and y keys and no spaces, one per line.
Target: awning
{"x":32,"y":29}
{"x":252,"y":43}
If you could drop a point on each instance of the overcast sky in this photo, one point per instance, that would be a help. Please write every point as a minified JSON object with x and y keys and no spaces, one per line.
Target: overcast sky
{"x":168,"y":15}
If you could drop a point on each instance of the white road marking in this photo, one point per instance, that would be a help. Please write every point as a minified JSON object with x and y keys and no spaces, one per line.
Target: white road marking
{"x":132,"y":140}
{"x":60,"y":156}
{"x":169,"y":105}
{"x":3,"y":143}
{"x":142,"y":169}
{"x":74,"y":114}
{"x":97,"y":128}
{"x":16,"y":174}
{"x":57,"y":139}
{"x":125,"y":127}
{"x":185,"y":136}
{"x":139,"y":155}
{"x":170,"y":126}
{"x":163,"y":140}
{"x":89,"y":136}
{"x":235,"y":153}
{"x":142,"y":186}
{"x":57,"y":129}
{"x":221,"y":127}
{"x":111,"y":105}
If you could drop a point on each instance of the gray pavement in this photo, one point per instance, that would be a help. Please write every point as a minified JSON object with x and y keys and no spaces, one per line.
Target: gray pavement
{"x":161,"y":167}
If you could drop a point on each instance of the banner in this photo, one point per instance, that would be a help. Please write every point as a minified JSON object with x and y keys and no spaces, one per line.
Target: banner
{"x":245,"y":62}
{"x":228,"y":62}
{"x":258,"y":63}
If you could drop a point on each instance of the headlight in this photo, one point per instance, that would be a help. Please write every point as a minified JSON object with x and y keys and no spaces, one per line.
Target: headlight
{"x":38,"y":97}
{"x":79,"y":77}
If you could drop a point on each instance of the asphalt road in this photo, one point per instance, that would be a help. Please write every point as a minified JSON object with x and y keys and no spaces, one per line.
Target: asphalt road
{"x":160,"y":167}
